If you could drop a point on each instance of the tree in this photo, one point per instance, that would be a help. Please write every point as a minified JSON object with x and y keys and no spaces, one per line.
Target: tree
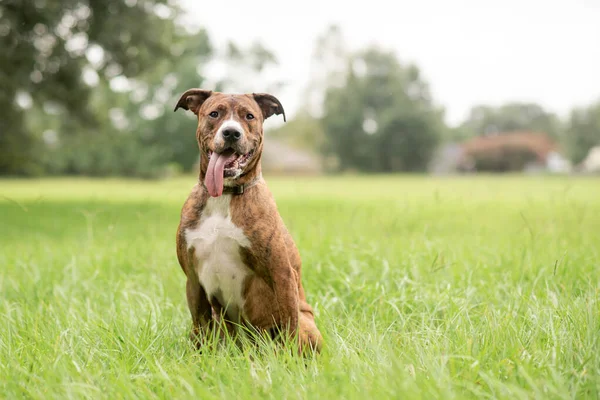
{"x":138,"y":133}
{"x":327,"y":68}
{"x":381,"y":118}
{"x":52,"y":50}
{"x":511,"y":117}
{"x":583,"y":132}
{"x":302,"y":132}
{"x":240,"y":70}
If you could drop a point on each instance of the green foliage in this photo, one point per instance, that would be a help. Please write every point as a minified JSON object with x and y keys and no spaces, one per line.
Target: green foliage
{"x":302,"y":132}
{"x":241,"y":69}
{"x":583,"y":132}
{"x":48,"y":49}
{"x":423,"y":289}
{"x":382,"y":117}
{"x":510,"y":117}
{"x":456,"y":134}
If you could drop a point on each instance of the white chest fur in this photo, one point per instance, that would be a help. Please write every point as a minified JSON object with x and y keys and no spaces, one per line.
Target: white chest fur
{"x":217,"y":241}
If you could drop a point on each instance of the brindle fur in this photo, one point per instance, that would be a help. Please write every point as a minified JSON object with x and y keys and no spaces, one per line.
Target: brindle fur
{"x":273,"y":293}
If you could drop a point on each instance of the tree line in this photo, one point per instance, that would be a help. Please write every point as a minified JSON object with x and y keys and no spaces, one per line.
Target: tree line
{"x":376,"y":114}
{"x":88,"y":86}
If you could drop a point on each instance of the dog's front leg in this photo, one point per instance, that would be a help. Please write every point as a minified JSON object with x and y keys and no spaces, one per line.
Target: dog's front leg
{"x":200,"y":309}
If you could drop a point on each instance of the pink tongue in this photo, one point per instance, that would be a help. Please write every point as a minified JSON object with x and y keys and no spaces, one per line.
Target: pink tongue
{"x":214,"y":174}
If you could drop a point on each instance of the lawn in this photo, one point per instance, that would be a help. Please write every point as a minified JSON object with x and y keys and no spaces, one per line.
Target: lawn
{"x":433,"y":288}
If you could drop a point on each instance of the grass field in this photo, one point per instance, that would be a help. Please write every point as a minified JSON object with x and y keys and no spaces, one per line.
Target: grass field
{"x":433,"y":288}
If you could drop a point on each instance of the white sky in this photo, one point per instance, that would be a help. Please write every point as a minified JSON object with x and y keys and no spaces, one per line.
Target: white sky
{"x":470,"y":51}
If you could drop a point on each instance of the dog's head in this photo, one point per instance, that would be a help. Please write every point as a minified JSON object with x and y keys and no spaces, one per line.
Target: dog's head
{"x":229,"y":133}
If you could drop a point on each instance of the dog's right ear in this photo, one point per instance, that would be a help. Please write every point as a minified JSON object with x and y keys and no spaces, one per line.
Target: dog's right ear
{"x":192,"y":99}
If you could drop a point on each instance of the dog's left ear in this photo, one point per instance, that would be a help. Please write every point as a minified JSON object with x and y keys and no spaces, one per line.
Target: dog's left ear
{"x":268,"y":104}
{"x":192,"y":99}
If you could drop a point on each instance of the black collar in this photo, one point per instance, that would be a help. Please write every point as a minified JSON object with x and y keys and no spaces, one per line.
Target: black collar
{"x":239,"y":189}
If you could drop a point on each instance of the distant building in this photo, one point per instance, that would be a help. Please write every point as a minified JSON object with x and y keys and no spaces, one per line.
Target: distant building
{"x":278,"y":157}
{"x":503,"y":152}
{"x":591,"y":164}
{"x":557,"y":163}
{"x":446,"y":159}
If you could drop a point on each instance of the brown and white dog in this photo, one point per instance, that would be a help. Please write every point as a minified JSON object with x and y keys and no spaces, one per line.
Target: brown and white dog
{"x":241,"y":263}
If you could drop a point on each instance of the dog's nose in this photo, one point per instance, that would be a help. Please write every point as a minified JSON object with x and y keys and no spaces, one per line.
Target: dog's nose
{"x":231,"y":134}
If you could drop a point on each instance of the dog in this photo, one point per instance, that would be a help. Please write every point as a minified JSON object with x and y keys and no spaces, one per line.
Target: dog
{"x":241,"y":263}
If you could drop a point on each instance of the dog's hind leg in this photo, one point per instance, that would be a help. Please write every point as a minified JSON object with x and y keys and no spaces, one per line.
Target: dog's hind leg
{"x":309,"y":336}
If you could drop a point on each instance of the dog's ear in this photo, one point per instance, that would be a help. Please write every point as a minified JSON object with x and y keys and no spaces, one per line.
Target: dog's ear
{"x":268,"y":104}
{"x":192,"y":99}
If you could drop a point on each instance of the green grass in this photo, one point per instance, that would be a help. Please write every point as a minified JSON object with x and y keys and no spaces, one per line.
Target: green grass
{"x":474,"y":287}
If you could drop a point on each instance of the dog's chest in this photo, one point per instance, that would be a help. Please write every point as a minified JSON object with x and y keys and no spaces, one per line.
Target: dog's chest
{"x":217,"y":241}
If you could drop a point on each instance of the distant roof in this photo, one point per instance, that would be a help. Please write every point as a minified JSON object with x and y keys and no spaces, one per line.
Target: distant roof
{"x":539,"y":143}
{"x":279,"y":156}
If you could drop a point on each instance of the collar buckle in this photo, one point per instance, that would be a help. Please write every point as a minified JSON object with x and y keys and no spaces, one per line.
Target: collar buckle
{"x":237,"y":189}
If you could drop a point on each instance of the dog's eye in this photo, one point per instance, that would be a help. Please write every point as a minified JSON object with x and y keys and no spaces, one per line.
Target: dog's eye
{"x":213,"y":114}
{"x":249,"y":116}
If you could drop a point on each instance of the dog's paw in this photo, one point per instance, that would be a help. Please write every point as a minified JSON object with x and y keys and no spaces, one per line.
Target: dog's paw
{"x":309,"y":337}
{"x":197,"y":338}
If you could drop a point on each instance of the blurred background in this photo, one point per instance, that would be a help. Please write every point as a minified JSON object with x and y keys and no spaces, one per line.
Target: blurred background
{"x":88,"y":87}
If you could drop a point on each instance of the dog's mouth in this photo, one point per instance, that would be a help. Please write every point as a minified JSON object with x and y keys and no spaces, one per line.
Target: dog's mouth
{"x":233,"y":162}
{"x":226,"y":164}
